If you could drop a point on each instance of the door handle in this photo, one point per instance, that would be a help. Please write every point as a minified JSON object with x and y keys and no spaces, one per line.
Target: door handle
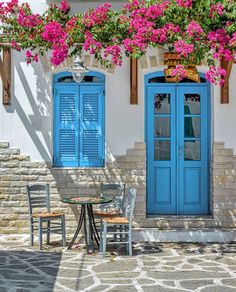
{"x":180,"y":150}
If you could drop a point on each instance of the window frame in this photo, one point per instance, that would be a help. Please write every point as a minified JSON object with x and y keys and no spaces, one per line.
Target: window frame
{"x":101,"y":83}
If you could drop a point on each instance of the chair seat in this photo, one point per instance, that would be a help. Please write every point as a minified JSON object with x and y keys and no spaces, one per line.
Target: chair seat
{"x":107,"y":213}
{"x":116,"y":220}
{"x":47,"y":215}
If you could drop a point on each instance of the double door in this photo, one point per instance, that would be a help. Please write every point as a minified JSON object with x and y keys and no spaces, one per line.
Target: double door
{"x":177,"y":149}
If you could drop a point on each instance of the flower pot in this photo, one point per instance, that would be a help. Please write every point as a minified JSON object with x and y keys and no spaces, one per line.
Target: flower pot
{"x":172,"y":59}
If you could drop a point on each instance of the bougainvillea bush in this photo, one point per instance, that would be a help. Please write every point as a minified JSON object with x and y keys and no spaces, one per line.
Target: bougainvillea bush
{"x":195,"y":29}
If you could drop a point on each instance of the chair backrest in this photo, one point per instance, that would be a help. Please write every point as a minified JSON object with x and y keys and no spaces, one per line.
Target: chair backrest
{"x":115,"y":191}
{"x":38,"y":196}
{"x":130,"y":203}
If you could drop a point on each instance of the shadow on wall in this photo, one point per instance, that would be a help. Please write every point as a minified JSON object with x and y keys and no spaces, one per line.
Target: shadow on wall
{"x":37,"y":103}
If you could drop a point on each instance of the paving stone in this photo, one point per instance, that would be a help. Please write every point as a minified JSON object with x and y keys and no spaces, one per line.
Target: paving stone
{"x":60,"y":270}
{"x":144,"y":281}
{"x":218,"y":289}
{"x":194,"y":274}
{"x":230,"y":282}
{"x":157,"y":288}
{"x":123,"y":289}
{"x":99,"y":288}
{"x":128,"y":265}
{"x":194,"y":284}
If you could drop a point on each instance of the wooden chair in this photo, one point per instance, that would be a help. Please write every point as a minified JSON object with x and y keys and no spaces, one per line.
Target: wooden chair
{"x":116,"y":192}
{"x":39,"y":197}
{"x":121,"y":225}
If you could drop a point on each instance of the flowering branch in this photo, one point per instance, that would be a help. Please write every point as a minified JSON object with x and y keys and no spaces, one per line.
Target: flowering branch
{"x":195,"y":29}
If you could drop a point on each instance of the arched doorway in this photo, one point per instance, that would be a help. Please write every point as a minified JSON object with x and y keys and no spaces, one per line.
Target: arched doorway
{"x":178,"y":143}
{"x":78,"y":124}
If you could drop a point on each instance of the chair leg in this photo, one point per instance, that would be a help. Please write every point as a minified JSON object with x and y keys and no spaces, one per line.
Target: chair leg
{"x":31,"y":233}
{"x":130,"y":240}
{"x":40,"y":234}
{"x":63,"y":227}
{"x":104,"y":239}
{"x":48,"y":232}
{"x":101,"y":236}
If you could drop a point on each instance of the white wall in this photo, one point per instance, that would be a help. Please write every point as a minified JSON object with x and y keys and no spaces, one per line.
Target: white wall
{"x":27,"y":122}
{"x":225,"y":115}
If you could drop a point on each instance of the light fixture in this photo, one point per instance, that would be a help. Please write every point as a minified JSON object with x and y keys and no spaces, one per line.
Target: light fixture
{"x":78,"y":70}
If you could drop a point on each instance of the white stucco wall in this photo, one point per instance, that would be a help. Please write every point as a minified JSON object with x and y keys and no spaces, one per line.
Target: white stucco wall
{"x":27,"y":122}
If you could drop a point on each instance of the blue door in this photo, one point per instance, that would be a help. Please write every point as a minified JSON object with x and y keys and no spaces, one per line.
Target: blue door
{"x":177,"y":147}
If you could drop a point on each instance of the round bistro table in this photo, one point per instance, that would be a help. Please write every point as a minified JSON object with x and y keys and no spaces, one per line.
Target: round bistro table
{"x":90,"y":234}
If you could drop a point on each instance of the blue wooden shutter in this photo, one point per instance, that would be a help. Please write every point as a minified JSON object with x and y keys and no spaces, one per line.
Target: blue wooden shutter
{"x":92,"y":125}
{"x":66,"y":141}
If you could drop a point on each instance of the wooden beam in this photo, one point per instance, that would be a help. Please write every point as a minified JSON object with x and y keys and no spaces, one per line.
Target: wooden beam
{"x":5,"y":71}
{"x":227,"y":65}
{"x":133,"y":81}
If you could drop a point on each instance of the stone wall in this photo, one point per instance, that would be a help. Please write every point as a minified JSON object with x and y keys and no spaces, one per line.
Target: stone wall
{"x":16,"y":171}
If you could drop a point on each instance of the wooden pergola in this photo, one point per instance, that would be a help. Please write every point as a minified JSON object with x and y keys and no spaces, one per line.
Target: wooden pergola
{"x":5,"y":71}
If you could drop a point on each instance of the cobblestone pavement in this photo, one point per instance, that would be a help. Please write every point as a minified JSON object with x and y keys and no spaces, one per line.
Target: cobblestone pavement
{"x":154,"y":267}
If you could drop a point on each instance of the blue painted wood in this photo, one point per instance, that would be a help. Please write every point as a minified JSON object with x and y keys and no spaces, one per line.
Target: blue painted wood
{"x":178,"y":186}
{"x":101,"y":77}
{"x":193,"y":174}
{"x":66,"y":131}
{"x":161,"y":180}
{"x":92,"y":125}
{"x":79,"y":122}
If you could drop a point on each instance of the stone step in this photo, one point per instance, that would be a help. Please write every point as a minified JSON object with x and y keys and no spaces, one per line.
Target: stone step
{"x":219,"y":145}
{"x":4,"y":145}
{"x":138,"y":152}
{"x":184,"y":235}
{"x":9,"y":151}
{"x":139,"y":145}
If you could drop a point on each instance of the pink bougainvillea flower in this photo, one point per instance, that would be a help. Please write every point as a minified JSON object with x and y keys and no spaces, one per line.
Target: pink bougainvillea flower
{"x":53,"y":32}
{"x":232,"y":41}
{"x":65,"y":6}
{"x":132,"y":5}
{"x":29,"y":21}
{"x":194,"y":29}
{"x":59,"y":53}
{"x":216,"y":75}
{"x":217,"y":9}
{"x":91,"y":44}
{"x":179,"y":71}
{"x":115,"y":52}
{"x":183,"y":48}
{"x":97,"y":16}
{"x":184,"y":3}
{"x":15,"y":45}
{"x":30,"y":57}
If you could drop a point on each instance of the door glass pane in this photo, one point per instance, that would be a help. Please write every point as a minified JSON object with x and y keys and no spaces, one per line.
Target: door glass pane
{"x":192,"y":104}
{"x":192,"y":150}
{"x":192,"y":127}
{"x":162,"y":103}
{"x":162,"y":127}
{"x":162,"y":150}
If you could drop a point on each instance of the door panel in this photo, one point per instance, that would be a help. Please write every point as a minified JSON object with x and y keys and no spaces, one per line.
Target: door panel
{"x":193,"y":139}
{"x":161,"y":150}
{"x":177,"y":135}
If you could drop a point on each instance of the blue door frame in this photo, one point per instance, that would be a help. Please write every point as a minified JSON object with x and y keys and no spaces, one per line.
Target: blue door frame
{"x":178,"y":147}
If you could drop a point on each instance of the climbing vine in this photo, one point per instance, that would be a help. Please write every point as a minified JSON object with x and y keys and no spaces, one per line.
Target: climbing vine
{"x":195,"y":29}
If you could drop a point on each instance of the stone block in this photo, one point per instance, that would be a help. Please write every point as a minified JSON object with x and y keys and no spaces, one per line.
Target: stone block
{"x":20,"y":157}
{"x":10,"y":164}
{"x":4,"y":145}
{"x":10,"y":178}
{"x":136,"y":152}
{"x":11,"y":204}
